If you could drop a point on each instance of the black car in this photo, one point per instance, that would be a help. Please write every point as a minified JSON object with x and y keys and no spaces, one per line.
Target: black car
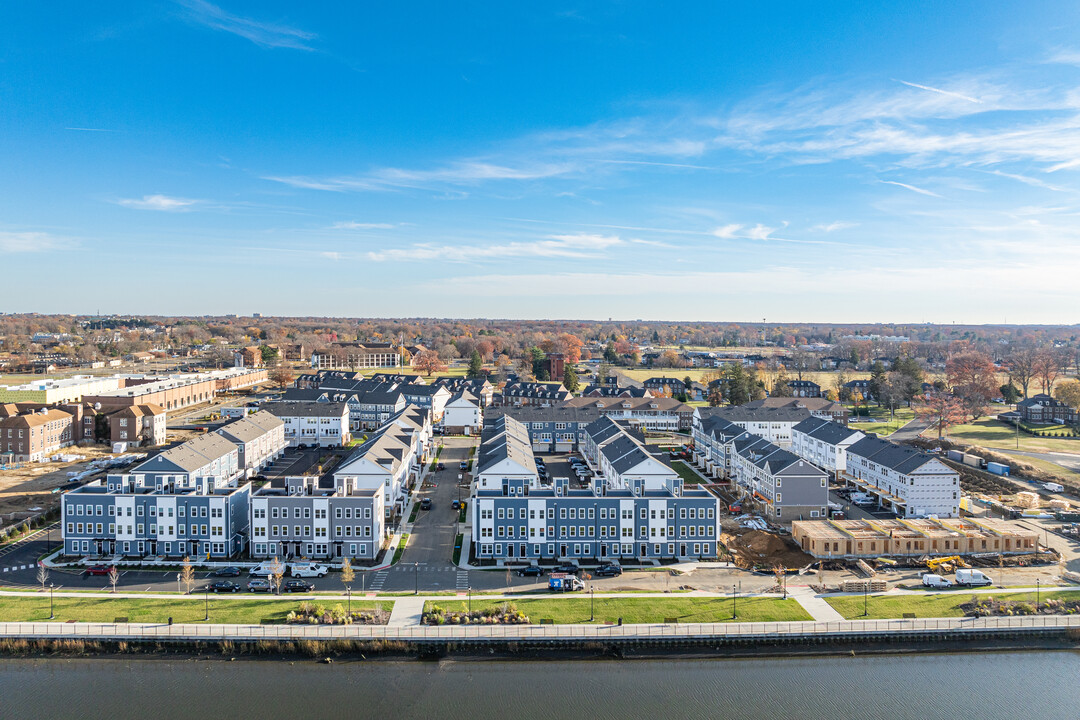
{"x":569,"y":568}
{"x":226,"y":572}
{"x":531,"y":570}
{"x":297,"y":586}
{"x":608,"y":570}
{"x":440,"y":466}
{"x":223,"y":586}
{"x":456,"y":504}
{"x":425,"y":504}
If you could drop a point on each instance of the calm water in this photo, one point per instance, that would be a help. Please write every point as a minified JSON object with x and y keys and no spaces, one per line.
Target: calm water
{"x":983,"y":685}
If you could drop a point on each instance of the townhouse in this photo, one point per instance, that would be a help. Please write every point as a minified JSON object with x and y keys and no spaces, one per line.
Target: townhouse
{"x":480,"y":387}
{"x":552,"y":429}
{"x":463,"y":414}
{"x":804,"y":389}
{"x":138,"y":425}
{"x":818,"y":407}
{"x":391,"y":460}
{"x":653,"y":413}
{"x":713,"y":437}
{"x":34,"y":436}
{"x":259,"y":439}
{"x":778,"y":482}
{"x":824,"y":443}
{"x":906,"y":481}
{"x":316,"y":517}
{"x":520,"y":394}
{"x":312,"y":424}
{"x":615,"y":391}
{"x":772,"y":423}
{"x":640,"y":512}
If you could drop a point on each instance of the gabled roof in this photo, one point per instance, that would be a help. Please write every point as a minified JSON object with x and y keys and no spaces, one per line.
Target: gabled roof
{"x":306,"y":409}
{"x":192,"y":455}
{"x":741,"y":413}
{"x":505,"y":438}
{"x":901,"y":458}
{"x":825,"y":430}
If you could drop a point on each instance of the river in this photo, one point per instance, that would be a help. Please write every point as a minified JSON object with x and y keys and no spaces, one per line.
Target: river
{"x":916,"y":686}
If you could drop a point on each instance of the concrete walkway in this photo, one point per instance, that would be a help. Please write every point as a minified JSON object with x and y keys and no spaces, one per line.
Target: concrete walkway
{"x":814,"y":604}
{"x":407,"y":611}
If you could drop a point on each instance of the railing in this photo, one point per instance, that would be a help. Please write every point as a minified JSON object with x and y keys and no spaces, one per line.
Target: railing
{"x":481,"y":633}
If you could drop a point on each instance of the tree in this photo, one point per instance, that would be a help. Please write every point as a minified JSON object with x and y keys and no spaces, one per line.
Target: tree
{"x":941,"y":411}
{"x":476,"y":365}
{"x":428,"y":362}
{"x":187,"y":574}
{"x":1068,"y":392}
{"x":1022,"y":367}
{"x":539,"y":368}
{"x":609,"y":353}
{"x":501,"y":364}
{"x":780,"y":387}
{"x":347,"y":573}
{"x":281,"y":376}
{"x":114,"y":577}
{"x":1048,"y":364}
{"x":277,"y":574}
{"x":570,"y":379}
{"x":42,"y":574}
{"x":878,"y":380}
{"x":843,"y":394}
{"x":973,"y":379}
{"x":603,"y":372}
{"x":269,"y":355}
{"x":907,"y":378}
{"x":801,"y":361}
{"x":1009,"y":393}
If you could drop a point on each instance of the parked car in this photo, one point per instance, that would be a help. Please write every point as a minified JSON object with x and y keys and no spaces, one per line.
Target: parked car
{"x":569,"y":568}
{"x":531,"y":571}
{"x":99,"y":569}
{"x":298,"y":586}
{"x":226,"y":572}
{"x":608,"y":570}
{"x":258,"y":585}
{"x":307,"y":569}
{"x":425,"y":504}
{"x":440,"y":466}
{"x":456,"y":504}
{"x":223,"y":586}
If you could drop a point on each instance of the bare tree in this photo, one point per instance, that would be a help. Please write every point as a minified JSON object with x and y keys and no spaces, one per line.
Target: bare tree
{"x":187,"y":574}
{"x":347,"y":573}
{"x":42,"y":574}
{"x":1048,"y":364}
{"x":114,"y":577}
{"x":277,"y":574}
{"x":1022,"y":364}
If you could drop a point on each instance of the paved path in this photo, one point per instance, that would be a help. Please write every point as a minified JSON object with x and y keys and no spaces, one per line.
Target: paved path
{"x":407,"y":611}
{"x":910,"y":431}
{"x":813,"y":603}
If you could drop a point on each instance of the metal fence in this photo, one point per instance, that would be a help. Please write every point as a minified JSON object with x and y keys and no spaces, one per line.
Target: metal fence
{"x":481,"y":633}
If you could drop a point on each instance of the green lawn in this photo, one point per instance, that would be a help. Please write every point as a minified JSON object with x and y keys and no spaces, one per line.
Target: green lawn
{"x":924,"y":606}
{"x":992,"y":433}
{"x":400,"y":548}
{"x":686,"y":473}
{"x":223,"y":609}
{"x":572,"y":610}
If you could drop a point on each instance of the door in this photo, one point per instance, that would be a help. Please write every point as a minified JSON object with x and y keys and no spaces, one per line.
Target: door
{"x":603,"y":550}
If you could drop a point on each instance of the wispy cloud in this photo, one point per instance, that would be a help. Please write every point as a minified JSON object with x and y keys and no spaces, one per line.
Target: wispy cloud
{"x":158,"y":202}
{"x":939,"y":90}
{"x":912,"y":188}
{"x":82,"y":129}
{"x":834,"y":226}
{"x":581,"y":245}
{"x":269,"y":35}
{"x":30,"y":242}
{"x":361,"y":226}
{"x":460,"y":173}
{"x":1034,"y":182}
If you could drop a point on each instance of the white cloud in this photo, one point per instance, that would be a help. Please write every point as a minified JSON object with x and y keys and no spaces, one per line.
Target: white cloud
{"x":460,"y":173}
{"x":728,"y":232}
{"x":912,"y":188}
{"x":834,"y":226}
{"x":158,"y":202}
{"x":581,"y":245}
{"x":330,"y":255}
{"x":30,"y":242}
{"x":938,"y":90}
{"x":268,"y":35}
{"x":361,"y":226}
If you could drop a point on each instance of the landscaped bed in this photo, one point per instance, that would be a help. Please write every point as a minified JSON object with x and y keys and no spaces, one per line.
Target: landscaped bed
{"x":504,"y":613}
{"x":311,"y":614}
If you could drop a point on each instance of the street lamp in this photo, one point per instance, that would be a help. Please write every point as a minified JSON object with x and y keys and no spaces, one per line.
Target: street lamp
{"x":592,"y":604}
{"x":733,"y":615}
{"x":348,"y":593}
{"x":416,"y":578}
{"x":52,"y":614}
{"x":1038,"y":587}
{"x":865,"y":591}
{"x":470,"y":600}
{"x":206,"y":601}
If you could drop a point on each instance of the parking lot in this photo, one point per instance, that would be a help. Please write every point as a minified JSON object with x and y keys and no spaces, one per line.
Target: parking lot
{"x":558,"y":465}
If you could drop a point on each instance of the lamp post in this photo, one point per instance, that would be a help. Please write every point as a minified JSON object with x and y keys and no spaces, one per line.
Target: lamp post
{"x":470,"y":600}
{"x":733,"y":614}
{"x":416,"y":578}
{"x":865,"y":591}
{"x":592,"y":604}
{"x":52,"y":613}
{"x":348,"y":594}
{"x":206,"y":601}
{"x":1038,"y":587}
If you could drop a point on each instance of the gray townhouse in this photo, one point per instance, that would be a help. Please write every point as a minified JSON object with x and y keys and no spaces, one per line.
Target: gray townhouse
{"x":259,"y":440}
{"x":638,"y":512}
{"x":780,"y":483}
{"x":314,"y":517}
{"x":552,"y":429}
{"x":518,"y":394}
{"x":652,"y":413}
{"x":772,"y":423}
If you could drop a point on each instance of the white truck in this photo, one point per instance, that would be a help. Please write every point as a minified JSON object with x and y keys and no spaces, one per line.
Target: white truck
{"x":1053,"y":487}
{"x":862,"y":498}
{"x":308,"y":569}
{"x":936,"y":581}
{"x":268,"y":568}
{"x":970,"y":578}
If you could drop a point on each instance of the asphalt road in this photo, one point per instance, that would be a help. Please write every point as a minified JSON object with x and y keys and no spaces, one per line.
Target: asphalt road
{"x":1066,"y":460}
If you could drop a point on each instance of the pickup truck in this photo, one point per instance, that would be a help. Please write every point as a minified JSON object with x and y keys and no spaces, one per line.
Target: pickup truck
{"x":562,"y":582}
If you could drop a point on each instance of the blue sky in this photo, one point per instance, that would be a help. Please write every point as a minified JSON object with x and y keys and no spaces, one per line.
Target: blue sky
{"x":844,"y":162}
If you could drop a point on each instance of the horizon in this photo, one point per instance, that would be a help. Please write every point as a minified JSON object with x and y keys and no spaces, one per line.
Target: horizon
{"x":587,"y":161}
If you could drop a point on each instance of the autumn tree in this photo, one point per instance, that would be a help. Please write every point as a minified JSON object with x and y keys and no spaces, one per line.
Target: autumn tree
{"x":940,"y":410}
{"x":187,"y":574}
{"x":281,"y":376}
{"x":780,"y":387}
{"x":428,"y":362}
{"x":1022,"y":362}
{"x":973,"y":380}
{"x":1048,"y":364}
{"x":1068,"y":392}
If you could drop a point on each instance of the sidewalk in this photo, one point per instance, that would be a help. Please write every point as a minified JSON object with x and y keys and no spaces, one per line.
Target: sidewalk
{"x":814,"y":604}
{"x":407,"y":611}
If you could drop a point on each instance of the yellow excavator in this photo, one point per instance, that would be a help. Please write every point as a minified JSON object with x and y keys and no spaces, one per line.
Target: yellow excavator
{"x":945,"y":564}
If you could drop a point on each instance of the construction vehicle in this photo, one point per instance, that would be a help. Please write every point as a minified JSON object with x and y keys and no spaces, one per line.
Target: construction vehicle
{"x":945,"y":564}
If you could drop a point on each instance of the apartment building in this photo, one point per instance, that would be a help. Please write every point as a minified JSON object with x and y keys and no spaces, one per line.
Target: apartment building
{"x":32,"y":437}
{"x":818,"y":406}
{"x":138,"y":425}
{"x":463,"y":414}
{"x":51,"y":391}
{"x":174,"y":392}
{"x":783,"y":485}
{"x":640,"y":512}
{"x":259,"y":439}
{"x":824,"y":443}
{"x":853,"y":539}
{"x":521,"y":394}
{"x":907,"y":481}
{"x":348,"y":355}
{"x":651,"y":413}
{"x":312,"y":424}
{"x":1042,"y":408}
{"x":713,"y":444}
{"x":552,"y":429}
{"x":772,"y":423}
{"x":316,"y":517}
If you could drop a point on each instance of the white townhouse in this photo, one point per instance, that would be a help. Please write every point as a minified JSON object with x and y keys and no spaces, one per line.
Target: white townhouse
{"x":505,"y":454}
{"x":713,"y":437}
{"x":259,"y":439}
{"x":824,"y":443}
{"x":312,"y":424}
{"x":907,"y":481}
{"x":463,"y":414}
{"x":772,"y":423}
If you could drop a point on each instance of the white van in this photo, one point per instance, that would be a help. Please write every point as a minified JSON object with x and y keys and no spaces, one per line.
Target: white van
{"x":1053,"y":487}
{"x":936,"y":581}
{"x":307,"y":569}
{"x":268,"y":568}
{"x":972,"y":577}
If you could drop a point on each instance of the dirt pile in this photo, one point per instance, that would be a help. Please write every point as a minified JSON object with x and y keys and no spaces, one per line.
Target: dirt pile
{"x":755,"y":548}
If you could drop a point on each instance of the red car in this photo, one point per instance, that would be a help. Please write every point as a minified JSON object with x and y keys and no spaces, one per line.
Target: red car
{"x":99,"y":569}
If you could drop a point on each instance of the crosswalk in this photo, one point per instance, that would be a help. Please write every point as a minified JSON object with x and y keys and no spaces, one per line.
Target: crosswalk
{"x":462,"y":580}
{"x":378,"y":581}
{"x":17,"y":568}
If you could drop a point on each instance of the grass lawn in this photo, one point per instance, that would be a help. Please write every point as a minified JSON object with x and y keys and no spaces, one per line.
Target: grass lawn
{"x":925,"y":606}
{"x":992,"y":433}
{"x":1047,"y":466}
{"x":245,"y":610}
{"x":572,"y":610}
{"x":686,"y":473}
{"x":400,"y":548}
